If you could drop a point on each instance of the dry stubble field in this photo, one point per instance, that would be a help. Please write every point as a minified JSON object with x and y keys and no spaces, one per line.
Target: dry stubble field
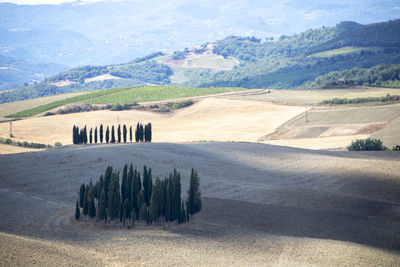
{"x":263,"y":205}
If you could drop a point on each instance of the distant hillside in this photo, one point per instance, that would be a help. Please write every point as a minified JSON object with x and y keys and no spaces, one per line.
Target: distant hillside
{"x":248,"y":62}
{"x":380,"y":75}
{"x":294,"y":60}
{"x":15,"y":72}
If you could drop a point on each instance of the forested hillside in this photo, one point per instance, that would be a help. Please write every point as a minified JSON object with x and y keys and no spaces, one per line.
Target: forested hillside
{"x":289,"y":62}
{"x":380,"y":75}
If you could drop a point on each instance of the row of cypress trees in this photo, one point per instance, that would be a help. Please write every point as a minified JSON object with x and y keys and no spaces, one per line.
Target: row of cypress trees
{"x":138,"y":198}
{"x":142,"y":134}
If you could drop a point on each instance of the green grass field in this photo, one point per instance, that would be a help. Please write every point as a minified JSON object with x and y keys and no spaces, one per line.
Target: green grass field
{"x":342,"y":51}
{"x":125,"y":95}
{"x":156,"y":93}
{"x":70,"y":100}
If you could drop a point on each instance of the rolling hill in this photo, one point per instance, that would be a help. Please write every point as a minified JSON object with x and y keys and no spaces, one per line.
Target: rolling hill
{"x":248,"y":62}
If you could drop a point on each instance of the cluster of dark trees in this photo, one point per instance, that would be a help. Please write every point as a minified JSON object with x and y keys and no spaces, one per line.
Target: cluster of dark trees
{"x":138,"y":198}
{"x":342,"y":101}
{"x":142,"y":134}
{"x":368,"y":144}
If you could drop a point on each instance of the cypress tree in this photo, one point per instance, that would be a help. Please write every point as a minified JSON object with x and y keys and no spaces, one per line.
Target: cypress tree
{"x":141,"y":133}
{"x":85,"y":201}
{"x":112,"y":134}
{"x":103,"y":206}
{"x":107,"y":180}
{"x":124,"y":183}
{"x":140,"y":201}
{"x":149,"y":132}
{"x":119,"y":133}
{"x":107,"y":134}
{"x":137,"y":132}
{"x":95,"y":135}
{"x":74,"y":135}
{"x":143,"y":212}
{"x":77,"y":211}
{"x":101,"y":133}
{"x":81,"y":136}
{"x":130,"y":133}
{"x":145,"y":133}
{"x":124,"y":131}
{"x":194,"y":195}
{"x":85,"y":136}
{"x":91,"y":204}
{"x":90,"y":135}
{"x":155,"y":201}
{"x":135,"y":189}
{"x":125,"y":210}
{"x":81,"y":195}
{"x":168,"y":201}
{"x":114,"y":197}
{"x":177,"y":196}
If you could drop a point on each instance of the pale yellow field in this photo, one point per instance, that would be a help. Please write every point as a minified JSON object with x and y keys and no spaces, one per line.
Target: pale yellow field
{"x":209,"y":119}
{"x":315,"y":96}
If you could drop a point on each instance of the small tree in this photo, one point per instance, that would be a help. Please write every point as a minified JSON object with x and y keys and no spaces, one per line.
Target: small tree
{"x":107,"y":134}
{"x":103,"y":206}
{"x":149,"y":132}
{"x":91,"y":135}
{"x":119,"y":133}
{"x":112,"y":134}
{"x":130,"y":133}
{"x":114,"y":197}
{"x":77,"y":211}
{"x":137,"y":133}
{"x":141,"y":133}
{"x":81,"y":195}
{"x":124,"y":131}
{"x":95,"y":135}
{"x":85,"y":201}
{"x":194,"y":195}
{"x":101,"y":133}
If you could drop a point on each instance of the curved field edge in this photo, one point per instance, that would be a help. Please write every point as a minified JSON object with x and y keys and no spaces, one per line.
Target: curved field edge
{"x":126,"y":95}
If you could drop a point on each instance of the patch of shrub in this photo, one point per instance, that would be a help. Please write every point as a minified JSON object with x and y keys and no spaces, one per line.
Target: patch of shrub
{"x":366,"y":145}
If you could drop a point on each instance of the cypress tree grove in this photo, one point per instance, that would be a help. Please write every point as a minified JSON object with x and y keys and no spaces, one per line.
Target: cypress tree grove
{"x":130,"y":133}
{"x":132,"y":201}
{"x":77,"y":211}
{"x":119,"y":133}
{"x":101,"y":133}
{"x":107,"y":134}
{"x":124,"y":131}
{"x":95,"y":135}
{"x":112,"y":134}
{"x":90,"y":135}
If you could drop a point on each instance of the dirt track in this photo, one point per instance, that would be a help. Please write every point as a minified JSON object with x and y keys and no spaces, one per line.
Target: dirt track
{"x":274,"y":206}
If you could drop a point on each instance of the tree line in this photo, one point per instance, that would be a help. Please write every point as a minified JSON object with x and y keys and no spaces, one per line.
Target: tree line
{"x":138,"y":198}
{"x":142,"y":134}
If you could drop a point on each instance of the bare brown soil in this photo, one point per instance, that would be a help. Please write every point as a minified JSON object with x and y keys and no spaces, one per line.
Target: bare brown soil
{"x":263,"y":205}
